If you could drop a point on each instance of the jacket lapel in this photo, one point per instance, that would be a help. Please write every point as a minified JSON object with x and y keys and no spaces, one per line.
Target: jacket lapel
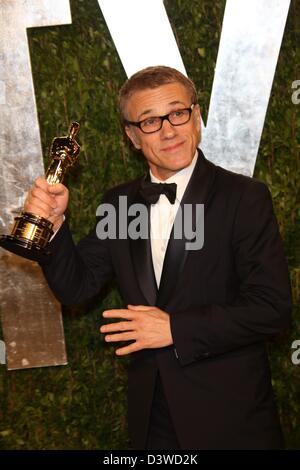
{"x":198,"y":191}
{"x":142,"y":261}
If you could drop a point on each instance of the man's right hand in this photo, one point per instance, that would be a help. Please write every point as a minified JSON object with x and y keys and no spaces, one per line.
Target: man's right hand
{"x":48,"y":201}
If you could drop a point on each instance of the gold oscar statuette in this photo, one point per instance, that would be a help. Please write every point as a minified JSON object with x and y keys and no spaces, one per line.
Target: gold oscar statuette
{"x":31,"y":233}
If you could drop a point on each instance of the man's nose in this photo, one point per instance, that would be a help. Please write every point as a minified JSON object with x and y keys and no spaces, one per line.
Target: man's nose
{"x":167,"y":130}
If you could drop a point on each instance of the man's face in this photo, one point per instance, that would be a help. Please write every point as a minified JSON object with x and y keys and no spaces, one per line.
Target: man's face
{"x":172,"y":148}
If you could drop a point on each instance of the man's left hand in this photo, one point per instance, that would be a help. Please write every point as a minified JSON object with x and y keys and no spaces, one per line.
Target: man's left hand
{"x":148,"y":327}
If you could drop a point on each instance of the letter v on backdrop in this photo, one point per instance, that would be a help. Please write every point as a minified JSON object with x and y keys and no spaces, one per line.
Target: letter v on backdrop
{"x":250,"y":43}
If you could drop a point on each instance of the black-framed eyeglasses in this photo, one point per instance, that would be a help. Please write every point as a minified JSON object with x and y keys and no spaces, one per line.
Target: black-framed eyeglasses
{"x":154,"y":123}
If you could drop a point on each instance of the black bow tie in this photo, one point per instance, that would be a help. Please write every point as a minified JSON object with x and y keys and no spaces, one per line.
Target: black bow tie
{"x":150,"y":192}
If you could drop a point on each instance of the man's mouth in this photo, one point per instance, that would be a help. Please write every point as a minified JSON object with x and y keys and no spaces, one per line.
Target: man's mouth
{"x":172,"y":148}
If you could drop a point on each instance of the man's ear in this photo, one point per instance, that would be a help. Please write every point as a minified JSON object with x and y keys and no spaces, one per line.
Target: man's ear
{"x":198,"y":115}
{"x":132,"y":135}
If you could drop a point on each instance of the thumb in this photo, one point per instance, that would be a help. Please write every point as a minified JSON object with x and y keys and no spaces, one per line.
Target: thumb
{"x":57,"y":189}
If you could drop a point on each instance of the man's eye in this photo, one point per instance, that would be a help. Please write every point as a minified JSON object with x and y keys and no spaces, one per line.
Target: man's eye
{"x":178,"y":113}
{"x":150,"y":121}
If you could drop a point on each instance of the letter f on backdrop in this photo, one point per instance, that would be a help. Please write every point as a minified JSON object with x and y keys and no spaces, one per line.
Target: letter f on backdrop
{"x":250,"y":43}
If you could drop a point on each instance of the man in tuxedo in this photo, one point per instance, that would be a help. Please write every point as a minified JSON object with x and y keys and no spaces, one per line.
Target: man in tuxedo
{"x":196,"y":321}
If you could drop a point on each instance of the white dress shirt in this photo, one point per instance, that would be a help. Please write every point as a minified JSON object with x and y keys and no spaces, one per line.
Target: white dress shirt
{"x":163,"y":214}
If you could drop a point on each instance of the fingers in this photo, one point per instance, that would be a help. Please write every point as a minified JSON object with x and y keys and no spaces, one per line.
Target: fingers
{"x":45,"y":200}
{"x":131,"y":348}
{"x":119,"y":313}
{"x":40,"y":195}
{"x":128,"y":336}
{"x":120,"y":326}
{"x":40,"y":203}
{"x":50,"y":189}
{"x":41,"y":183}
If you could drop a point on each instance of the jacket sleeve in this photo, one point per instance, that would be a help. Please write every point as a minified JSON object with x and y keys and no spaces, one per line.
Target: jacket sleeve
{"x":263,"y":304}
{"x":76,"y":273}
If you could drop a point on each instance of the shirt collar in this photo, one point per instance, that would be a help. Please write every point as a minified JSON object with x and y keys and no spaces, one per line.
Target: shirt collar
{"x":181,"y":178}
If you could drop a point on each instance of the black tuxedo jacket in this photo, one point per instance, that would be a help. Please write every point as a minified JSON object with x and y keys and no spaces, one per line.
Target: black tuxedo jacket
{"x":224,"y":300}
